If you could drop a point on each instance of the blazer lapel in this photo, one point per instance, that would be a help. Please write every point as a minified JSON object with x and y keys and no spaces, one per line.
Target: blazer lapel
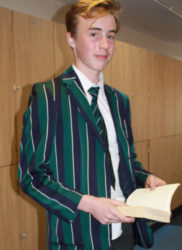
{"x":77,"y":95}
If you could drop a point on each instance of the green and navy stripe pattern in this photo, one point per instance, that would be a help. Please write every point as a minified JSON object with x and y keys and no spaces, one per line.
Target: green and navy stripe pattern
{"x":62,"y":157}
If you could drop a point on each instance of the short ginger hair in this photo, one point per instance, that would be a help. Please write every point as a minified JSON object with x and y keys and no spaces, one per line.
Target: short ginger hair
{"x":91,"y":9}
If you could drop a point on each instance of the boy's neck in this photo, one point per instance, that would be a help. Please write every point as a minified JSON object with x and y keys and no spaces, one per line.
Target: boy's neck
{"x":92,"y":75}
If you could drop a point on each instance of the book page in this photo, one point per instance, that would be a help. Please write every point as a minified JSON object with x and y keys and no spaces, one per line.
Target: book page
{"x":145,"y":212}
{"x":160,"y":198}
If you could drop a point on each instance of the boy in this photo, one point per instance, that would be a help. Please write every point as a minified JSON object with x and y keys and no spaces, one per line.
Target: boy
{"x":77,"y":157}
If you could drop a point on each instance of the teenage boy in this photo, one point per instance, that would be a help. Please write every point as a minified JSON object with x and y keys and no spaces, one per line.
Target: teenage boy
{"x":77,"y":153}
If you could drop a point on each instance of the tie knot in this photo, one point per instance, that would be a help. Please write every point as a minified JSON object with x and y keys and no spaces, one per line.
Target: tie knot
{"x":94,"y":91}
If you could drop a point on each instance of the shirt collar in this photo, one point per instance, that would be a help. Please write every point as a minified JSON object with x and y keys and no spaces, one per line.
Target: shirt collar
{"x":86,"y":83}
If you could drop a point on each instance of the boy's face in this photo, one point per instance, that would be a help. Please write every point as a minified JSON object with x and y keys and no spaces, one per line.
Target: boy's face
{"x":93,"y":43}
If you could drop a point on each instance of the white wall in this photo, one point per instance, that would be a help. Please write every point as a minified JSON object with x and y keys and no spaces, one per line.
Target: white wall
{"x":140,"y":39}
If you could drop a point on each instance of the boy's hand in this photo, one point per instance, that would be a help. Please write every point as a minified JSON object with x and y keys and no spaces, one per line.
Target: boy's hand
{"x":152,"y":182}
{"x":103,"y":209}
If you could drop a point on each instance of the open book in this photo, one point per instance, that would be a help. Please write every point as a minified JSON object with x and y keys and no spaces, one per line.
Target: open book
{"x":153,"y":205}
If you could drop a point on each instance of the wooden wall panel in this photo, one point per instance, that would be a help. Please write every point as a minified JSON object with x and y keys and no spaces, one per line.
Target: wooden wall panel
{"x":165,"y":161}
{"x":33,"y":48}
{"x":23,"y":224}
{"x":178,"y":97}
{"x":9,"y":200}
{"x":158,"y":103}
{"x":130,"y":70}
{"x":165,"y":100}
{"x":156,"y":98}
{"x":7,"y":99}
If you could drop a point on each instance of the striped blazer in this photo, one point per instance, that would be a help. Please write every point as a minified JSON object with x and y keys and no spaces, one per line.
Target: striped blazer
{"x":62,"y":157}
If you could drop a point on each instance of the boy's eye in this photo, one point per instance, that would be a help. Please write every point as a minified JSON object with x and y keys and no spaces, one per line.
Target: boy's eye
{"x":94,"y":34}
{"x":111,"y":37}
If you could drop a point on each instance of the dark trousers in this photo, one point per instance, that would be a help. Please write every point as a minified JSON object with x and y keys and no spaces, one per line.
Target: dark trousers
{"x":125,"y":241}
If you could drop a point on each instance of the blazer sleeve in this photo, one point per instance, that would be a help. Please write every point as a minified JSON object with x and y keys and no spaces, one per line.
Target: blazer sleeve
{"x":33,"y":172}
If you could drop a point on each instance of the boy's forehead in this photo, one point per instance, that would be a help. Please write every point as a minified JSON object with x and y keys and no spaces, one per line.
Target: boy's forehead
{"x":95,"y":22}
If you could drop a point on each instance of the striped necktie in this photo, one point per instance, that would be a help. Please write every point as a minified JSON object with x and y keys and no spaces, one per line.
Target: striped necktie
{"x":102,"y":127}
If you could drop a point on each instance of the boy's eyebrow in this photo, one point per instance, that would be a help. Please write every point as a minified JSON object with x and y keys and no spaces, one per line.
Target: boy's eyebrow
{"x":99,"y":29}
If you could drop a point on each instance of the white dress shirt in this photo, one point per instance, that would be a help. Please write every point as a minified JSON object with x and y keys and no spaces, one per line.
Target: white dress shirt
{"x":112,"y":141}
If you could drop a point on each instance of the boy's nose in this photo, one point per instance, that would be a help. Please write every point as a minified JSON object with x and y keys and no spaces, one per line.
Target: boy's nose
{"x":104,"y":42}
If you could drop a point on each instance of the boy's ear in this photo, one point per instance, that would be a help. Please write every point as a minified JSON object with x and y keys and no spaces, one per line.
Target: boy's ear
{"x":70,"y":40}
